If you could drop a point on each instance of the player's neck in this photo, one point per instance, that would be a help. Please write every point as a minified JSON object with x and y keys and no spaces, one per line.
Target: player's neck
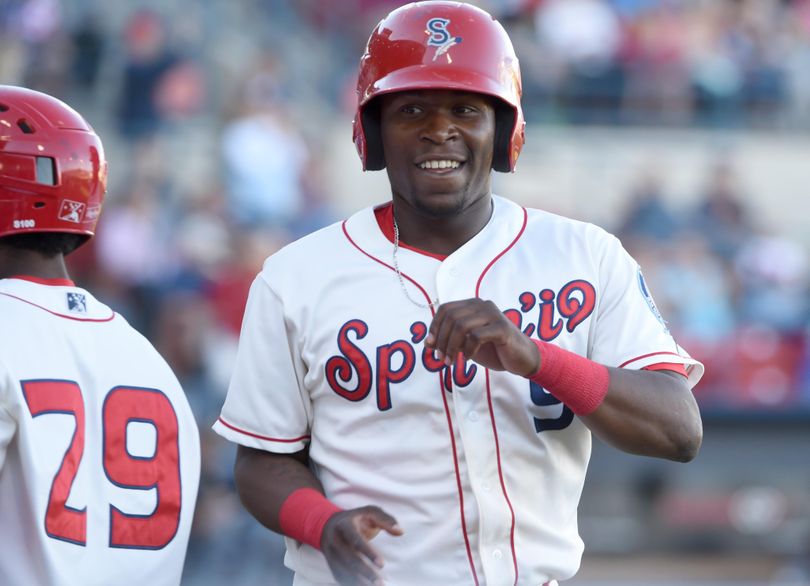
{"x":17,"y":262}
{"x":441,"y":235}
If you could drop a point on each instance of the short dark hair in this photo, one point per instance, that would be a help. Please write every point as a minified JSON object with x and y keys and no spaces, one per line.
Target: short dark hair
{"x":48,"y":244}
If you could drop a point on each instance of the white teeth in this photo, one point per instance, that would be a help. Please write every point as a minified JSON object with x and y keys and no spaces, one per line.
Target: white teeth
{"x":439,"y":164}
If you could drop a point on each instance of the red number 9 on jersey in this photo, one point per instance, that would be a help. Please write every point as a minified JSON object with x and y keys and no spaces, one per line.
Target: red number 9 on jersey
{"x":160,"y":471}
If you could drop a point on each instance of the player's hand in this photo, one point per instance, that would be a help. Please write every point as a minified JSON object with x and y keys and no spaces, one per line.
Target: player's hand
{"x":480,"y":331}
{"x":345,"y":544}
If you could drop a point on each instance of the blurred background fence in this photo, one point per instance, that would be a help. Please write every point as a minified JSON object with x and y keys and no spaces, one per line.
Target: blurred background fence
{"x":680,"y":125}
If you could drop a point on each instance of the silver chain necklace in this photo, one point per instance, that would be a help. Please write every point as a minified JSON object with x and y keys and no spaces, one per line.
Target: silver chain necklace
{"x":430,"y":305}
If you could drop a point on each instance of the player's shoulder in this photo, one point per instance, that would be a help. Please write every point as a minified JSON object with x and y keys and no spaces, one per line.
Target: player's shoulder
{"x":307,"y":251}
{"x":543,"y":221}
{"x":29,"y":300}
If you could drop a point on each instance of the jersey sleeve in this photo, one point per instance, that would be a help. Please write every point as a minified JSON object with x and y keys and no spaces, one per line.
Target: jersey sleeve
{"x":629,"y":330}
{"x":266,"y":406}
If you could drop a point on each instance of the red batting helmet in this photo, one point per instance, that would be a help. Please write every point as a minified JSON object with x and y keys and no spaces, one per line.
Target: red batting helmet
{"x":440,"y":45}
{"x":53,"y":173}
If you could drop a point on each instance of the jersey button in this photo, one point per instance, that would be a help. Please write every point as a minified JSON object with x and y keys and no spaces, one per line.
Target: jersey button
{"x":486,"y":486}
{"x":472,"y":416}
{"x":497,"y":555}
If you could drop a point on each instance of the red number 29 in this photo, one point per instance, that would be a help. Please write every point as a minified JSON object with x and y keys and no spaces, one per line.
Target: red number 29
{"x":160,"y":471}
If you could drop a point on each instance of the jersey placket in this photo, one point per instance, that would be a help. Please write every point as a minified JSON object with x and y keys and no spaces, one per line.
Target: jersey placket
{"x":474,"y":421}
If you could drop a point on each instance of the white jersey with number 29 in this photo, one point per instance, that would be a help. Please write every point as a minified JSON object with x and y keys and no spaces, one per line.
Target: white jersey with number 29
{"x":99,"y":450}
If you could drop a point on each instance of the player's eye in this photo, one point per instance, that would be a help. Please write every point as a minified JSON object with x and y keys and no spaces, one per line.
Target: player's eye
{"x":465,"y":110}
{"x":410,"y":109}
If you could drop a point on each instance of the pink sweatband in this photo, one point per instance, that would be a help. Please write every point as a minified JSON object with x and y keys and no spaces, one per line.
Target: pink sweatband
{"x":576,"y":381}
{"x":304,"y":514}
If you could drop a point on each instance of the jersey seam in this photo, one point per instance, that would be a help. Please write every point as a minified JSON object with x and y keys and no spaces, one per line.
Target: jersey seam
{"x":62,"y":315}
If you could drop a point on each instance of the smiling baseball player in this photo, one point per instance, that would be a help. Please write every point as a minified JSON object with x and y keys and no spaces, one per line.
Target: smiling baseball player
{"x":416,"y":387}
{"x":99,"y":451}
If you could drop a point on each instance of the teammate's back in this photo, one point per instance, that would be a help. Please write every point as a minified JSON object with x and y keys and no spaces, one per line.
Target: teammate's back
{"x":99,"y":451}
{"x":95,"y":490}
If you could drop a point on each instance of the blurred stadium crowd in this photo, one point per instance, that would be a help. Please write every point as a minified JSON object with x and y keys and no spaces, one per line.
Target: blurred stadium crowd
{"x":212,"y":114}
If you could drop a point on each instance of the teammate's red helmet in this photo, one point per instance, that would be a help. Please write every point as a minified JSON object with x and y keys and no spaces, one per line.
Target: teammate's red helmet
{"x":53,"y":174}
{"x":440,"y":45}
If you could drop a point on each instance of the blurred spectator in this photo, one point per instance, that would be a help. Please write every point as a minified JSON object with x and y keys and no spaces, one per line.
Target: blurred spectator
{"x":133,"y":256}
{"x":265,"y":157}
{"x":586,"y":34}
{"x":773,"y":272}
{"x":718,"y":50}
{"x":88,"y":50}
{"x":149,"y":57}
{"x":698,"y":290}
{"x":796,"y":62}
{"x":132,"y":247}
{"x":229,"y":290}
{"x":12,"y":51}
{"x":648,"y":215}
{"x":38,"y":24}
{"x":181,"y":92}
{"x":720,"y":214}
{"x":655,"y":46}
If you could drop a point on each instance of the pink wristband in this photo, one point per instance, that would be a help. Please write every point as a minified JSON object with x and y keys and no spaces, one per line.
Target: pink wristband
{"x":576,"y":381}
{"x":304,"y":514}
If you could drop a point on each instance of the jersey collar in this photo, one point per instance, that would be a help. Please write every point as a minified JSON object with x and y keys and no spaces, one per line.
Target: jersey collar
{"x":41,"y":281}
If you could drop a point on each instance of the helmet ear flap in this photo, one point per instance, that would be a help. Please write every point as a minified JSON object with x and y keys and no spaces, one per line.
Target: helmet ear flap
{"x":370,"y":119}
{"x":504,"y":126}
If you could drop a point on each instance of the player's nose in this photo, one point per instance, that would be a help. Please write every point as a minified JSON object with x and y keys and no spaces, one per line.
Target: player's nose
{"x":438,"y":127}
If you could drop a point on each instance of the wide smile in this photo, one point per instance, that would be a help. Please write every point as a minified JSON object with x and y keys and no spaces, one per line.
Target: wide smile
{"x":440,"y":166}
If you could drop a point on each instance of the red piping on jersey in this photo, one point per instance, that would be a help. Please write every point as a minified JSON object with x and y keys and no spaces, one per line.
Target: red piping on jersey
{"x":41,"y":281}
{"x":489,"y":400}
{"x":446,"y":413}
{"x":504,"y":251}
{"x":86,"y":319}
{"x":458,"y":477}
{"x":623,"y":364}
{"x":385,"y":220}
{"x":500,"y":475}
{"x":261,"y":437}
{"x":375,"y":259}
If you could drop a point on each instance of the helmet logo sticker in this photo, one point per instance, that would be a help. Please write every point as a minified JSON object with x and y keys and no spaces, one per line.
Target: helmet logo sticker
{"x":440,"y":37}
{"x":71,"y":211}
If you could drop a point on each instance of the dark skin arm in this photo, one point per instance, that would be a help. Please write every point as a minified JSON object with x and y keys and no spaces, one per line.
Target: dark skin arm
{"x":644,"y":412}
{"x":264,"y":480}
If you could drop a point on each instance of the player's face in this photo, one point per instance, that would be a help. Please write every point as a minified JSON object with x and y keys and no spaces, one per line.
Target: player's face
{"x":438,"y":147}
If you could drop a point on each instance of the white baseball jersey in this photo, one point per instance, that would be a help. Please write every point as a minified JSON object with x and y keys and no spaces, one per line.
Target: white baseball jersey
{"x":483,"y":470}
{"x":99,"y":451}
